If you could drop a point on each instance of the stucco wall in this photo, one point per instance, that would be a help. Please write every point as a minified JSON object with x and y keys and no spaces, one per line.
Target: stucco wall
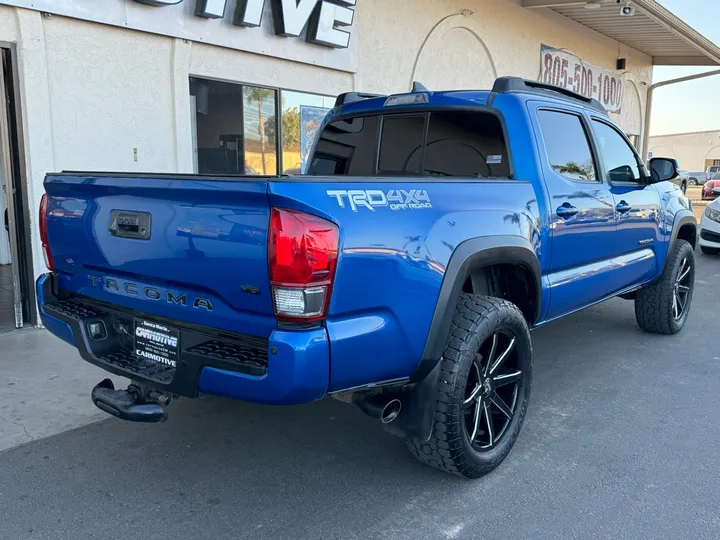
{"x":692,"y":150}
{"x":91,"y":94}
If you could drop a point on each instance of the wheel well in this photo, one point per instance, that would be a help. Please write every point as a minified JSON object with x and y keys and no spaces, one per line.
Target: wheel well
{"x":689,"y":233}
{"x":512,"y":282}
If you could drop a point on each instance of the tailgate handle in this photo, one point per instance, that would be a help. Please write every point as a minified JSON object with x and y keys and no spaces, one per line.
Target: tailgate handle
{"x":125,"y":224}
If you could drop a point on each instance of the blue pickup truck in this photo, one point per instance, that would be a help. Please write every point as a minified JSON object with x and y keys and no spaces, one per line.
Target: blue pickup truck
{"x":401,"y":274}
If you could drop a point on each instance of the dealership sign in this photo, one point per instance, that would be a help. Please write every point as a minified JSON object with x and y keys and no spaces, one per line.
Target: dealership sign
{"x":321,"y":32}
{"x":566,"y":70}
{"x":326,"y":21}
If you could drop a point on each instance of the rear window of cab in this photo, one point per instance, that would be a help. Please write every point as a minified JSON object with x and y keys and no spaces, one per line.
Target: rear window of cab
{"x":439,"y":143}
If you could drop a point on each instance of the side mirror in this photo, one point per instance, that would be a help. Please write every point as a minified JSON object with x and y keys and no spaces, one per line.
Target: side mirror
{"x":663,"y":169}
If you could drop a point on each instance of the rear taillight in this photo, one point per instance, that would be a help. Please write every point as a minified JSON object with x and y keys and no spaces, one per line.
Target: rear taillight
{"x":44,"y":234}
{"x":302,"y":254}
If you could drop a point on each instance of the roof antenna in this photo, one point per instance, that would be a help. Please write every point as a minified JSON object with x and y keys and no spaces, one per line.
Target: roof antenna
{"x":418,"y":87}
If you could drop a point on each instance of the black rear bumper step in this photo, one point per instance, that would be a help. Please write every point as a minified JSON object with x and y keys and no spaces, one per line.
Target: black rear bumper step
{"x":127,"y":404}
{"x":200,"y":346}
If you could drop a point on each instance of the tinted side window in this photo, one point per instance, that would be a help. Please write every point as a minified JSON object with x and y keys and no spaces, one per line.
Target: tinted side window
{"x":567,"y":146}
{"x":401,"y":144}
{"x":466,"y":144}
{"x":347,"y":147}
{"x":619,"y":158}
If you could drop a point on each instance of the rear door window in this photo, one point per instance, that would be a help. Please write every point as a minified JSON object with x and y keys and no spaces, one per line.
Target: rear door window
{"x":567,"y":146}
{"x":443,"y":143}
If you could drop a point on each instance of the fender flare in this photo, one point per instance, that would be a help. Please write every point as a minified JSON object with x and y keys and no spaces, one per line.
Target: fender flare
{"x":682,"y":218}
{"x":469,"y":256}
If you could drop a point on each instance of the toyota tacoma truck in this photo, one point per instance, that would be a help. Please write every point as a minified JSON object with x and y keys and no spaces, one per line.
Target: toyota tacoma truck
{"x":401,"y":273}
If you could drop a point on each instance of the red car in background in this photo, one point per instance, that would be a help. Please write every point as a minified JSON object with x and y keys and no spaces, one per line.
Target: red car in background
{"x":708,"y":190}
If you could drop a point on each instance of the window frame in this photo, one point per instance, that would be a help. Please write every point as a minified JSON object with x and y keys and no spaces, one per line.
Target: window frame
{"x":425,"y":110}
{"x":599,"y":176}
{"x":643,"y":181}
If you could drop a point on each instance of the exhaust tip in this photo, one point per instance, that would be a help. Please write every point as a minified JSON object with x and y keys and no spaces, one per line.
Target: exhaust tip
{"x":391,"y":411}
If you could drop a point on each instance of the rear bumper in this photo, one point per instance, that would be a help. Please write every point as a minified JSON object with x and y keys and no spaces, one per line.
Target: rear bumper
{"x":288,"y":368}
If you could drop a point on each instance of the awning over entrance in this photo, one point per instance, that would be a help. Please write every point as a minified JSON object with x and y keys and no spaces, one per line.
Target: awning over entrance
{"x":652,"y":30}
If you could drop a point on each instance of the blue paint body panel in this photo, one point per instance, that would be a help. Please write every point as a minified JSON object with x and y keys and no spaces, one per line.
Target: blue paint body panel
{"x":297,"y":373}
{"x":209,"y":239}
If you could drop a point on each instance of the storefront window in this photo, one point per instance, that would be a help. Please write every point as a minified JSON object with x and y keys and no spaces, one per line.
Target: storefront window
{"x":235,"y":127}
{"x":259,"y":119}
{"x":230,"y":132}
{"x":301,"y":117}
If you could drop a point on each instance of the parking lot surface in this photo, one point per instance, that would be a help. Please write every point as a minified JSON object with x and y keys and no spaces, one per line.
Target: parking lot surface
{"x":621,"y":441}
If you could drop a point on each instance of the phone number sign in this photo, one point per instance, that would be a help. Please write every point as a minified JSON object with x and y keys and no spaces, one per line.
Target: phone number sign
{"x":566,"y":70}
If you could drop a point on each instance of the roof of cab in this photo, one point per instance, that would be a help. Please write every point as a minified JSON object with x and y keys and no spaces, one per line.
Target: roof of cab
{"x":357,"y":103}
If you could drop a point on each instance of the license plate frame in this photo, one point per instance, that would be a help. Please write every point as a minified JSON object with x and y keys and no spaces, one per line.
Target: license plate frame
{"x":156,"y":342}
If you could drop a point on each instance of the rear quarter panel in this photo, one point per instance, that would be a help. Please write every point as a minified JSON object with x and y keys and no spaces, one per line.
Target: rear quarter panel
{"x":392,"y":262}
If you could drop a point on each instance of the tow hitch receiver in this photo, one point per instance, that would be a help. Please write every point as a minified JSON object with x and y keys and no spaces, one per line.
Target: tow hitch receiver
{"x":136,"y":404}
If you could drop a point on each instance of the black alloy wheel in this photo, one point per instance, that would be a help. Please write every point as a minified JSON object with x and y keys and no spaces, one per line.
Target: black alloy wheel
{"x":681,"y":289}
{"x":491,"y":393}
{"x":483,"y":389}
{"x":663,"y":306}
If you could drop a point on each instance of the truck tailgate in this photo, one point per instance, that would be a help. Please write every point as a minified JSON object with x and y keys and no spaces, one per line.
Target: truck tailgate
{"x":173,"y":246}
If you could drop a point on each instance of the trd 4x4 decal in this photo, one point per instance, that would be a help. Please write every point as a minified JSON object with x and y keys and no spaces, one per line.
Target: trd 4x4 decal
{"x":396,"y":199}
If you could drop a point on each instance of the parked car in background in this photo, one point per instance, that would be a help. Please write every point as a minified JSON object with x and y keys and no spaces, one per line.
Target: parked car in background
{"x":708,"y":191}
{"x":682,"y":180}
{"x":697,"y":178}
{"x":711,"y":171}
{"x":710,"y":229}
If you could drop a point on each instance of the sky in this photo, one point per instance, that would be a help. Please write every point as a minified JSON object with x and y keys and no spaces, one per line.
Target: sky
{"x":694,"y":105}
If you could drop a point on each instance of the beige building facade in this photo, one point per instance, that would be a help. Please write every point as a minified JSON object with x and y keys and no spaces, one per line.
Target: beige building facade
{"x":694,"y":151}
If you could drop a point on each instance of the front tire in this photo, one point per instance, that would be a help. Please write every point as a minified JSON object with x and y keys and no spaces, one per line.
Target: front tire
{"x":484,"y":389}
{"x":709,"y":250}
{"x":663,"y":306}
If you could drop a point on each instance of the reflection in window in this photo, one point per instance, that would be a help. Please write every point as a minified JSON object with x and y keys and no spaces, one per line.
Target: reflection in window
{"x":619,"y":158}
{"x":301,"y":117}
{"x":567,"y":145}
{"x":259,"y":121}
{"x":347,"y":148}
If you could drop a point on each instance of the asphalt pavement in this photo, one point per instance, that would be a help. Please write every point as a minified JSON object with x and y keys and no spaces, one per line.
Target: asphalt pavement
{"x":621,"y":441}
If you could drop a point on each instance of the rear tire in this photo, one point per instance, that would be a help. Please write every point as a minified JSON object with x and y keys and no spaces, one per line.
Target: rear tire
{"x":484,"y":389}
{"x":663,"y":306}
{"x":709,"y":250}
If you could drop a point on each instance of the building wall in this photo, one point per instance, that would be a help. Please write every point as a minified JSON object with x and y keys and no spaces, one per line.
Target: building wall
{"x":99,"y":97}
{"x":694,"y":151}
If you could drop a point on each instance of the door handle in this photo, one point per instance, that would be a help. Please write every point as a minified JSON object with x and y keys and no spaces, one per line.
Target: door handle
{"x":623,"y":207}
{"x":566,"y":211}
